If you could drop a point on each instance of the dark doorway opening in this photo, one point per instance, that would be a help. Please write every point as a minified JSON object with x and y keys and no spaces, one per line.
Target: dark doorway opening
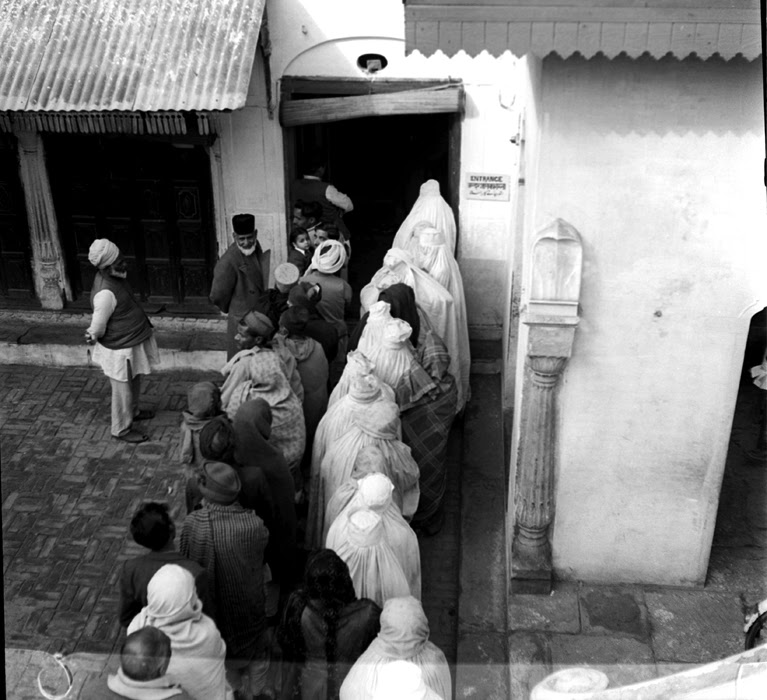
{"x":740,"y":536}
{"x":380,"y":162}
{"x":16,"y":280}
{"x":150,"y":197}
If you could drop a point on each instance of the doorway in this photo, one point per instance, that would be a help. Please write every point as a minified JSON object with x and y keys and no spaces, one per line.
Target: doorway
{"x":380,"y":162}
{"x":150,"y":197}
{"x":16,"y":280}
{"x":740,"y":534}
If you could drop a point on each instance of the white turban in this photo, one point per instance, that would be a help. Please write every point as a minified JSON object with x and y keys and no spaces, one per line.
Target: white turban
{"x":329,"y":257}
{"x":103,"y":253}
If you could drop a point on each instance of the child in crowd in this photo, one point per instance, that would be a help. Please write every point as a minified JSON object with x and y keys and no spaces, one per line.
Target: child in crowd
{"x":153,"y":528}
{"x":299,"y":252}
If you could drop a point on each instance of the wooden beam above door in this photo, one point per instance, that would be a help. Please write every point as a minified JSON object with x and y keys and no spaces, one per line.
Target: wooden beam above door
{"x":442,"y":98}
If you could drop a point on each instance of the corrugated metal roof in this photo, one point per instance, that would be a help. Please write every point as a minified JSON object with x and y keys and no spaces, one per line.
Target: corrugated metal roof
{"x":704,"y":28}
{"x":129,"y":55}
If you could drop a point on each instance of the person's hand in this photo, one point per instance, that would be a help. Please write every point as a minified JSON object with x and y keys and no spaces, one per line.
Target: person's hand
{"x":90,"y":338}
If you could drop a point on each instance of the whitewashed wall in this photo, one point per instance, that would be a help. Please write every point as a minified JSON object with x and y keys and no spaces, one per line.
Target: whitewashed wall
{"x":317,"y":38}
{"x":658,"y":164}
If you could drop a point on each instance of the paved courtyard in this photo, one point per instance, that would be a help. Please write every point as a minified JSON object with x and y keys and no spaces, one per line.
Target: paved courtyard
{"x":69,"y":490}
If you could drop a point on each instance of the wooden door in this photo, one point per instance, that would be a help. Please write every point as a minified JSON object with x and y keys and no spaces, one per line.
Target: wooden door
{"x":153,"y":199}
{"x":16,"y":280}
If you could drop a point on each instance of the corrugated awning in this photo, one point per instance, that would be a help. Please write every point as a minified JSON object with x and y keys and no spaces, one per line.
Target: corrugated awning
{"x":588,"y":27}
{"x":127,"y":55}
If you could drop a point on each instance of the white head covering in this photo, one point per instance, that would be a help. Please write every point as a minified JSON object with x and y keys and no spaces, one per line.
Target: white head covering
{"x":329,"y":257}
{"x":431,"y":207}
{"x":102,"y":253}
{"x":286,"y":273}
{"x":375,"y":490}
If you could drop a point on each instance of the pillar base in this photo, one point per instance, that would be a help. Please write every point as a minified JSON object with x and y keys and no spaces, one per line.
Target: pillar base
{"x":529,"y":581}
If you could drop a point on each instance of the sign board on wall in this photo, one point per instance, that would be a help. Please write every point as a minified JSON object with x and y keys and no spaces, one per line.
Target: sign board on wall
{"x":487,"y":186}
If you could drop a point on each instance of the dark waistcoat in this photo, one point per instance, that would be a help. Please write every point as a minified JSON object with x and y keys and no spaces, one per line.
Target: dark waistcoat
{"x":128,"y":325}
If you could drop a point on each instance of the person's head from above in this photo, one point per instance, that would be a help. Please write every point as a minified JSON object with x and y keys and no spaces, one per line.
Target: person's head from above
{"x":245,"y":232}
{"x":171,"y":597}
{"x":152,"y":527}
{"x":320,"y":235}
{"x":329,"y":257}
{"x":106,"y":256}
{"x":306,"y":294}
{"x":313,"y":164}
{"x":369,"y":460}
{"x":253,"y":330}
{"x":375,"y":491}
{"x":145,"y":654}
{"x":217,"y":441}
{"x":293,"y":321}
{"x":219,"y":483}
{"x":395,"y":257}
{"x":306,"y":214}
{"x":299,"y":238}
{"x":203,"y":400}
{"x":327,"y":578}
{"x":286,"y":277}
{"x":331,"y":231}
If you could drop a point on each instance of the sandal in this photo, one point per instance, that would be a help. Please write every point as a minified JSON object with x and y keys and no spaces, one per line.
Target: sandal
{"x":144,"y":414}
{"x":132,"y":436}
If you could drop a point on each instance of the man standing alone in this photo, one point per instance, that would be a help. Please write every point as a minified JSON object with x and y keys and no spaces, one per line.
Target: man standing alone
{"x":240,"y":276}
{"x":125,"y":345}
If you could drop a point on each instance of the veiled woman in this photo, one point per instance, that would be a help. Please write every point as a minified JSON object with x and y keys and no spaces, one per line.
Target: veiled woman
{"x":197,"y":649}
{"x":431,"y":207}
{"x":324,"y":629}
{"x":404,"y":636}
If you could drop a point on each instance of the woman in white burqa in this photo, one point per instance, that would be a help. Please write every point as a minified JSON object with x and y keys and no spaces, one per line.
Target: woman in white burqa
{"x":431,"y":207}
{"x":357,"y":365}
{"x":375,"y":492}
{"x":436,"y":303}
{"x":197,"y":649}
{"x":379,"y":425}
{"x":364,"y":391}
{"x":375,"y":570}
{"x":404,"y":636}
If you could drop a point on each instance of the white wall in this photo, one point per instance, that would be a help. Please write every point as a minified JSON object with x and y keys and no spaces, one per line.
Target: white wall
{"x":322,"y":38}
{"x":658,"y":164}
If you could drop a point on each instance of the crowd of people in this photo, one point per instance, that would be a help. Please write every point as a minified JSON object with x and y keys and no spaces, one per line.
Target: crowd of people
{"x":296,"y":571}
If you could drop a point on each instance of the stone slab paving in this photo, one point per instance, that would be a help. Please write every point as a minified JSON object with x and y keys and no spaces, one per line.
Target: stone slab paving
{"x":68,"y":492}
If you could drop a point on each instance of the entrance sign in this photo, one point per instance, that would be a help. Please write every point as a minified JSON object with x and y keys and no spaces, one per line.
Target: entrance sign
{"x":487,"y":186}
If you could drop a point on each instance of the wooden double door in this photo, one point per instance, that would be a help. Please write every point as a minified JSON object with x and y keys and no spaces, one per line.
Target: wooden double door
{"x":150,"y":197}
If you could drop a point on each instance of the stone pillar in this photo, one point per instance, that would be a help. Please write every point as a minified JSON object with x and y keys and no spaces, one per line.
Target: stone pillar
{"x":551,"y":317}
{"x":48,"y":269}
{"x":548,"y":348}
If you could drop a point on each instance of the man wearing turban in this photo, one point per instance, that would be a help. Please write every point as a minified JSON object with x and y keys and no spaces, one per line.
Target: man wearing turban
{"x":240,"y":276}
{"x":327,"y":262}
{"x":122,"y":334}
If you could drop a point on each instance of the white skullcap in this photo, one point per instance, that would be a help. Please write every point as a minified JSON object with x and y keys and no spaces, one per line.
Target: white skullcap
{"x":329,"y":257}
{"x":286,"y":273}
{"x":375,"y":491}
{"x":102,"y":253}
{"x":365,"y":388}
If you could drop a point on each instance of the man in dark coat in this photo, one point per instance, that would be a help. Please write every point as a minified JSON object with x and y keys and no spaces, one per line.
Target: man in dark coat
{"x":240,"y":277}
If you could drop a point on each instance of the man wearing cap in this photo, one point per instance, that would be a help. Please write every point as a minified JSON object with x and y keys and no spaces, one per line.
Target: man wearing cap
{"x":240,"y":276}
{"x":229,"y":541}
{"x":274,"y":301}
{"x":122,"y":334}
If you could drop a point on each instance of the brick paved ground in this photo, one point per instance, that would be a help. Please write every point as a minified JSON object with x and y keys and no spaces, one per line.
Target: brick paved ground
{"x":69,"y":490}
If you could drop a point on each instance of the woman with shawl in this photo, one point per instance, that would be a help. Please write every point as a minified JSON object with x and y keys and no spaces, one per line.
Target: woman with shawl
{"x":431,"y":207}
{"x":258,"y":372}
{"x":365,"y":392}
{"x":440,"y":311}
{"x":307,"y":295}
{"x":377,"y":426}
{"x":197,"y":649}
{"x":254,"y":451}
{"x":426,"y":416}
{"x":374,"y":567}
{"x":404,"y":636}
{"x":311,"y":362}
{"x":324,"y":630}
{"x":374,"y":492}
